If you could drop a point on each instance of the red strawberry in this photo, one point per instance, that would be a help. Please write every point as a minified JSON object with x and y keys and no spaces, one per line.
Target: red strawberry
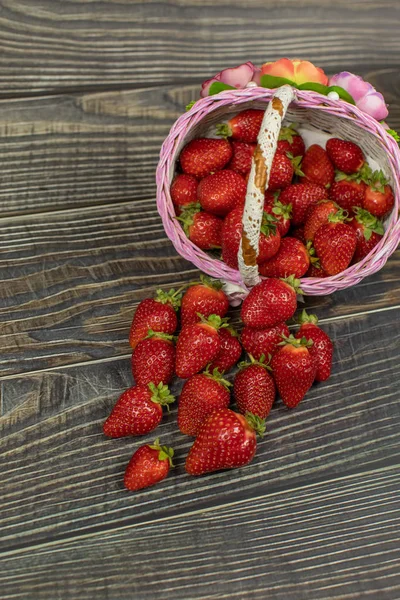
{"x":138,"y":410}
{"x":270,"y":239}
{"x":316,"y":271}
{"x":294,"y":370}
{"x":149,"y":465}
{"x":322,"y":348}
{"x":346,"y":156}
{"x":153,"y":360}
{"x":291,"y":259}
{"x":270,"y":197}
{"x":258,"y":342}
{"x":202,"y":228}
{"x":378,"y":199}
{"x":282,"y":214}
{"x":317,"y":216}
{"x":203,"y":156}
{"x":298,"y":234}
{"x":158,"y":314}
{"x":221,"y":192}
{"x":335,"y":243}
{"x":317,"y":167}
{"x":226,"y":440}
{"x":230,"y":351}
{"x":197,"y":346}
{"x":369,"y":231}
{"x":254,"y":389}
{"x":241,"y":159}
{"x":282,"y":172}
{"x":206,"y":298}
{"x":290,"y":141}
{"x":270,"y":302}
{"x":244,"y":126}
{"x":183,"y":191}
{"x":201,"y":395}
{"x":301,"y":196}
{"x":347,"y":193}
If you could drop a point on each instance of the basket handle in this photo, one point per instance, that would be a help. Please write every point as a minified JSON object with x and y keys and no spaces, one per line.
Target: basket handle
{"x":264,"y":153}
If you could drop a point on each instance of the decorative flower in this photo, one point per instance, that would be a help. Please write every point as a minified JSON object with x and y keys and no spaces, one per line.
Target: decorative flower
{"x":365,"y":95}
{"x":236,"y":77}
{"x":297,"y":71}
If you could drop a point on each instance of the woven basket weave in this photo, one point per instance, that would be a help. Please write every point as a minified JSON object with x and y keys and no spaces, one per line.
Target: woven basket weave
{"x":314,"y":114}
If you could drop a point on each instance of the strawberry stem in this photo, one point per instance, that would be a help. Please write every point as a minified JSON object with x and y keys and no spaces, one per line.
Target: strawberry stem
{"x":217,"y":376}
{"x":296,"y":342}
{"x":164,"y":452}
{"x":261,"y":362}
{"x":294,"y":283}
{"x":370,"y":222}
{"x":172,"y":297}
{"x":160,"y":394}
{"x":223,"y":130}
{"x":306,"y":318}
{"x":214,"y":284}
{"x":256,"y":423}
{"x":214,"y":321}
{"x":160,"y":335}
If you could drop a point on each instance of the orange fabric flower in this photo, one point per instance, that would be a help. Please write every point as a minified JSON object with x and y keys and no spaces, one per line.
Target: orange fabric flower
{"x":298,"y":71}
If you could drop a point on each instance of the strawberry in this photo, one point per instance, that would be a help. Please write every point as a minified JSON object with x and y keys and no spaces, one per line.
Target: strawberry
{"x":270,"y":197}
{"x":378,"y":199}
{"x":270,"y":302}
{"x":317,"y":216}
{"x":294,"y":370}
{"x":241,"y":159}
{"x":203,"y":156}
{"x":205,"y":297}
{"x":282,"y":172}
{"x":347,"y":193}
{"x":243,"y":127}
{"x":149,"y":465}
{"x":138,"y":410}
{"x":282,"y":214}
{"x":221,"y":192}
{"x":369,"y":231}
{"x":197,"y":345}
{"x":230,"y":351}
{"x":317,"y":167}
{"x":226,"y":440}
{"x":321,"y":350}
{"x":298,"y":234}
{"x":263,"y":341}
{"x":270,"y":239}
{"x":158,"y":314}
{"x":254,"y":388}
{"x":153,"y":360}
{"x":290,"y":141}
{"x":201,"y":395}
{"x":346,"y":156}
{"x":316,"y":271}
{"x":183,"y":191}
{"x":202,"y":228}
{"x":335,"y":243}
{"x":301,"y":196}
{"x":291,"y":259}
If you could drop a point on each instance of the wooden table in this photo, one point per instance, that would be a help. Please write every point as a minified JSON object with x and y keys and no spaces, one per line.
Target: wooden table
{"x":89,"y":91}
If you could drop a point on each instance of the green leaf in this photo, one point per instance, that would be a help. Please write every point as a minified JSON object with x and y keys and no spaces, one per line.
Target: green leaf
{"x":394,"y":134}
{"x":192,"y":103}
{"x":343,"y":94}
{"x":217,"y":87}
{"x":272,"y":82}
{"x":314,"y":87}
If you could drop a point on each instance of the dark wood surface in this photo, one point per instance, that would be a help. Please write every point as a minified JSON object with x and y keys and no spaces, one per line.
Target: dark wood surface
{"x":89,"y":91}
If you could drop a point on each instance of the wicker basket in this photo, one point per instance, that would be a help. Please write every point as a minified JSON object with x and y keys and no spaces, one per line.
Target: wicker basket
{"x":316,"y":116}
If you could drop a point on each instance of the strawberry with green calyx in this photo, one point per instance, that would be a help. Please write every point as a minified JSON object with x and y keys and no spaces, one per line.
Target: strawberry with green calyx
{"x":282,"y":214}
{"x":346,"y":156}
{"x":221,"y":192}
{"x":282,"y":171}
{"x":202,"y":228}
{"x":226,"y":440}
{"x":290,"y":141}
{"x":149,"y":465}
{"x":316,"y":271}
{"x":230,"y":351}
{"x":348,"y":191}
{"x":183,"y":191}
{"x":158,"y":314}
{"x":270,"y":238}
{"x":198,"y":345}
{"x":242,"y":157}
{"x":243,"y":127}
{"x":270,"y":302}
{"x":321,"y":349}
{"x":369,"y":230}
{"x":254,"y":388}
{"x":259,"y":342}
{"x":379,"y":198}
{"x":292,"y":258}
{"x":153,"y":359}
{"x":335,"y":244}
{"x":138,"y":410}
{"x":203,"y":156}
{"x":317,"y":166}
{"x":317,"y":216}
{"x":205,"y":297}
{"x":201,"y":395}
{"x":302,"y":196}
{"x":294,"y":370}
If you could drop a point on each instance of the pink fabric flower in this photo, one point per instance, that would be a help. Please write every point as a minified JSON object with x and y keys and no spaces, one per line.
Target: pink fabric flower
{"x":237,"y":77}
{"x":364,"y":94}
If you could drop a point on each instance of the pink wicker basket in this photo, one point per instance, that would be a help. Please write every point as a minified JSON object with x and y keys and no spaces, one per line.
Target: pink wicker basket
{"x":316,"y":114}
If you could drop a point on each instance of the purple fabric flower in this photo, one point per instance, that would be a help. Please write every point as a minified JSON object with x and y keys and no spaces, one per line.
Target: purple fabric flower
{"x":364,"y":94}
{"x":237,"y":77}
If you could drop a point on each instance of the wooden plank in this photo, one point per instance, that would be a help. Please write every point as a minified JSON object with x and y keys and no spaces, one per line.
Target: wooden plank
{"x":48,"y":46}
{"x":70,"y":281}
{"x":61,"y":478}
{"x":85,"y":149}
{"x":336,"y":539}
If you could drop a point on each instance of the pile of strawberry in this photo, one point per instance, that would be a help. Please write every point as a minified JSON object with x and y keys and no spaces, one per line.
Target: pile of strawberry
{"x":206,"y":348}
{"x":323,"y":209}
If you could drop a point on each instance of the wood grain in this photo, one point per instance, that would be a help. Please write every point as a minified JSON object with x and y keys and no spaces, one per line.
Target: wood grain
{"x":61,"y":477}
{"x":48,"y":46}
